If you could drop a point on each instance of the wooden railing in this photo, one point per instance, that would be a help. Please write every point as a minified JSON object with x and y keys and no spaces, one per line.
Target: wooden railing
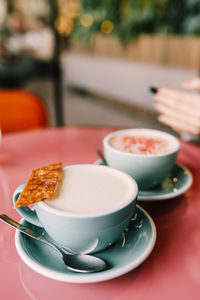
{"x":177,"y":51}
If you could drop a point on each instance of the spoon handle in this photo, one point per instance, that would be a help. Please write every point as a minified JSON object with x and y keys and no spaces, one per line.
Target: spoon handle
{"x":27,"y":231}
{"x":18,"y":226}
{"x":102,"y":157}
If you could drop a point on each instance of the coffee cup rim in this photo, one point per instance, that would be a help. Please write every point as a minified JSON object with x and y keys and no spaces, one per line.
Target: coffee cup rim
{"x":118,"y":132}
{"x":59,"y":212}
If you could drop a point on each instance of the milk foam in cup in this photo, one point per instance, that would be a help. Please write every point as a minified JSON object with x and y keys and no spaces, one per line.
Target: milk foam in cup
{"x":91,"y":190}
{"x":94,"y":206}
{"x":147,"y":155}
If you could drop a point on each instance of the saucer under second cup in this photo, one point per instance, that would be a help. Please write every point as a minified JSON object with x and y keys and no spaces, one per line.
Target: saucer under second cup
{"x":175,"y":184}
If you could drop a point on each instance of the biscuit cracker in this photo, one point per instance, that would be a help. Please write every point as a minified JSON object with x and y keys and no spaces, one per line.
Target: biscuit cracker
{"x":42,"y":184}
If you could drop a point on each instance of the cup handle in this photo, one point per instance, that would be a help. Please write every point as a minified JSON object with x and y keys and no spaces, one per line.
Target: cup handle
{"x":26,"y":213}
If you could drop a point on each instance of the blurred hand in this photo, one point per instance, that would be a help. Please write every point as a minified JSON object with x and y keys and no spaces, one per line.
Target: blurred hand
{"x":178,"y":109}
{"x":193,"y":84}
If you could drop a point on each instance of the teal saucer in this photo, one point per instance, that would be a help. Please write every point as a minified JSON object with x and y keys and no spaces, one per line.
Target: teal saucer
{"x":176,"y":183}
{"x":126,"y":254}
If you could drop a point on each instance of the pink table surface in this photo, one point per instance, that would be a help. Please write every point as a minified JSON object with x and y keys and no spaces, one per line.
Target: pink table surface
{"x":172,"y":271}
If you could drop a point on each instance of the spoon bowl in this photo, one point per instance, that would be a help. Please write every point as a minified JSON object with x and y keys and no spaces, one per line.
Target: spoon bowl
{"x":82,"y":263}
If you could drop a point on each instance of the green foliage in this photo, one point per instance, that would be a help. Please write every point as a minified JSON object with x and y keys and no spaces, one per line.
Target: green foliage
{"x":134,"y":17}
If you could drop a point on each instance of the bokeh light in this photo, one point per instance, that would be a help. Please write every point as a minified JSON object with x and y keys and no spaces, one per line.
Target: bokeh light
{"x":86,"y":20}
{"x":107,"y":26}
{"x":68,"y":11}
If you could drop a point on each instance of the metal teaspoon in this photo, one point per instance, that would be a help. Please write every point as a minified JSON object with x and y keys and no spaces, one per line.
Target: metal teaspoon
{"x":82,"y":263}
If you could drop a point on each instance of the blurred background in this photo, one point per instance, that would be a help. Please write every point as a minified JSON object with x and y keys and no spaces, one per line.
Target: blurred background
{"x":92,"y":62}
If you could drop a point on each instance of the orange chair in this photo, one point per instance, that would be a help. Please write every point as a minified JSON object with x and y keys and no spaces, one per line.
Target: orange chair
{"x":20,"y":110}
